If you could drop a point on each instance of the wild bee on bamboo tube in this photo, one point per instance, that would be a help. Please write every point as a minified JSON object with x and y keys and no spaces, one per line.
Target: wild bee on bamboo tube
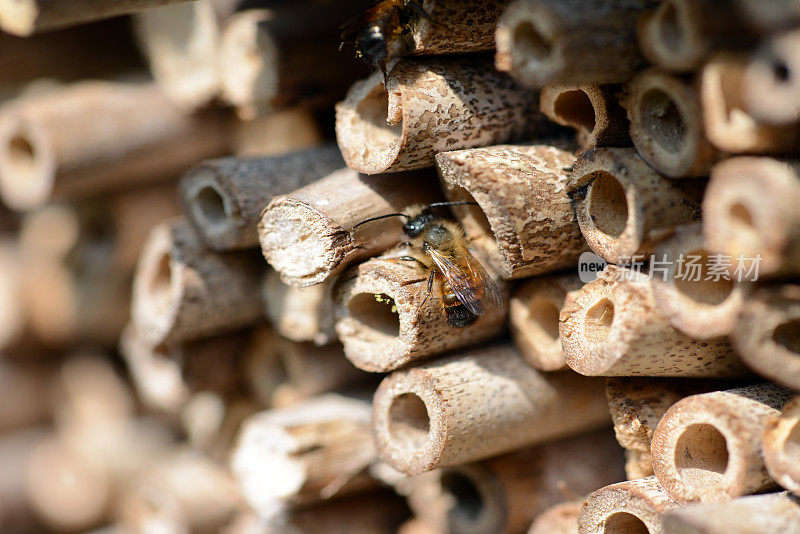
{"x":383,"y":32}
{"x":440,"y":248}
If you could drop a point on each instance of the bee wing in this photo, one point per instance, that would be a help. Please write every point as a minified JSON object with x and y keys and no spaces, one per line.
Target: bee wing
{"x":492,"y":293}
{"x":469,"y":282}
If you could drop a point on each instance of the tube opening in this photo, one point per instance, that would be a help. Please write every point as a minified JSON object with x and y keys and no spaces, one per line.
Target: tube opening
{"x":575,"y":108}
{"x":787,"y":335}
{"x":599,"y":319}
{"x":670,"y":30}
{"x":211,"y":206}
{"x":608,"y":205}
{"x":374,"y":111}
{"x":409,"y":422}
{"x":780,"y":71}
{"x":624,"y":523}
{"x":472,"y":218}
{"x":701,"y":455}
{"x":468,"y":503}
{"x":21,"y":154}
{"x":740,"y":215}
{"x":662,"y":120}
{"x":544,"y":315}
{"x":529,"y":43}
{"x":698,"y":281}
{"x":378,"y":312}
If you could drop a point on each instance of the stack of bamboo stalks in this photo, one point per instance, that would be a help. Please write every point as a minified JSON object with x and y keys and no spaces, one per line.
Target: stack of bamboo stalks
{"x":622,"y":169}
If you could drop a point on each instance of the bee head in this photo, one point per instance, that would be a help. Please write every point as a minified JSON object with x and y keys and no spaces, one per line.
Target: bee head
{"x":416,"y":224}
{"x":372,"y":44}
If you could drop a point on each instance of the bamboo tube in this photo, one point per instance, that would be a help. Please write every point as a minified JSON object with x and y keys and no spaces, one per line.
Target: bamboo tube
{"x":546,"y":41}
{"x":180,"y":43}
{"x":211,"y":422}
{"x":707,"y":447}
{"x":319,"y":448}
{"x":276,"y":133}
{"x":678,"y":35}
{"x":427,"y":107}
{"x":286,"y":54}
{"x":183,"y":291}
{"x":559,"y":519}
{"x":774,"y":512}
{"x":27,"y":17}
{"x":770,"y":89}
{"x":13,"y":319}
{"x":611,"y":327}
{"x":223,"y":198}
{"x":308,"y":239}
{"x":504,"y":494}
{"x":780,"y":447}
{"x":667,"y":124}
{"x":592,"y":110}
{"x":16,"y":448}
{"x":66,"y":491}
{"x":299,"y":313}
{"x":631,"y":506}
{"x":478,"y":404}
{"x":417,"y":526}
{"x":24,"y":394}
{"x":385,"y":318}
{"x":750,"y":211}
{"x":524,"y":223}
{"x":184,"y":492}
{"x":93,"y":136}
{"x":533,"y":319}
{"x":637,"y":405}
{"x":767,"y":334}
{"x":701,"y":304}
{"x":727,"y":124}
{"x":280,"y":372}
{"x":623,"y":207}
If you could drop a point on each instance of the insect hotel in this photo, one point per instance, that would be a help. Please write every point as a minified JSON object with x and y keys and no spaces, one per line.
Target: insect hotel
{"x":405,"y":266}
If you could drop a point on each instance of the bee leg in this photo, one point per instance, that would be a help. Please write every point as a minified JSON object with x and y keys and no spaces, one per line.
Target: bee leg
{"x":398,"y":259}
{"x":382,"y":65}
{"x":430,"y":288}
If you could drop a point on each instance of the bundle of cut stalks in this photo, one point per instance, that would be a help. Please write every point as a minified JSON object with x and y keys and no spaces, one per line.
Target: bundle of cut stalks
{"x":218,"y":313}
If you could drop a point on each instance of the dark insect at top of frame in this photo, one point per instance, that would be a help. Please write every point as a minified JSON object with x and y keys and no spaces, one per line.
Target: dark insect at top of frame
{"x":383,"y":32}
{"x":441,"y":249}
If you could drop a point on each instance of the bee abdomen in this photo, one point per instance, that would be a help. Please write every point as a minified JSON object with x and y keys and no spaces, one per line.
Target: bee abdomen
{"x":459,"y":316}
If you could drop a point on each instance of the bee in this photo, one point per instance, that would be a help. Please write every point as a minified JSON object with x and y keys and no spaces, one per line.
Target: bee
{"x":440,"y":247}
{"x":383,"y":32}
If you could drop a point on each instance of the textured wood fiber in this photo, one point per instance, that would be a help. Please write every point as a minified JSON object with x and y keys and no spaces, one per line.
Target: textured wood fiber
{"x":774,"y":512}
{"x":611,"y":327}
{"x":781,"y":446}
{"x":427,"y":107}
{"x":549,"y":41}
{"x":299,"y":313}
{"x":405,"y":325}
{"x":524,"y":223}
{"x":224,"y":198}
{"x":479,"y":403}
{"x":184,"y":291}
{"x":707,"y":447}
{"x":307,"y":238}
{"x":623,"y":207}
{"x":631,"y":506}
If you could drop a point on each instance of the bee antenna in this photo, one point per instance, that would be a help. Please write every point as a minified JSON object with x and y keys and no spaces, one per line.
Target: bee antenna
{"x":381,"y":217}
{"x":464,"y":203}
